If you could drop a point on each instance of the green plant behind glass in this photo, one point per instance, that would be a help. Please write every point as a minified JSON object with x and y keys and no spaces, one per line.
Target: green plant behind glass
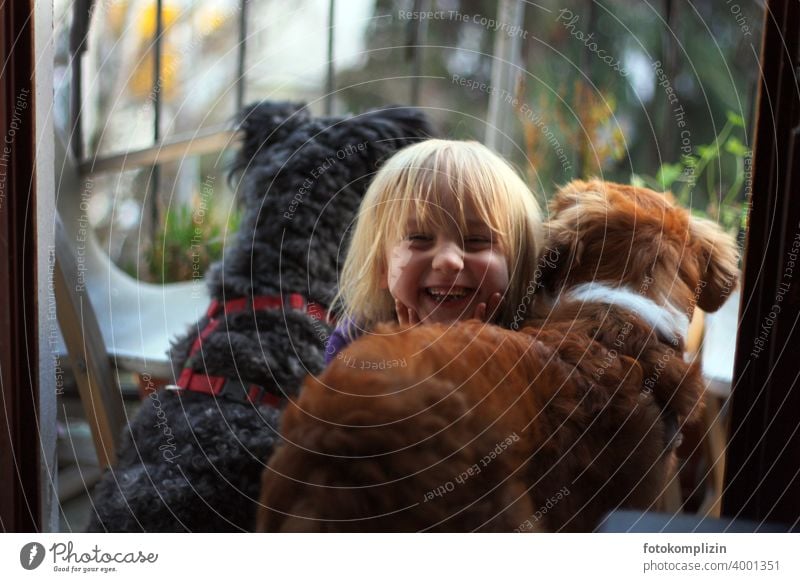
{"x":712,"y":179}
{"x":189,"y":239}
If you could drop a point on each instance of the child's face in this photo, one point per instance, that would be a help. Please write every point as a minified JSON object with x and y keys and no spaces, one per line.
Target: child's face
{"x":444,"y":274}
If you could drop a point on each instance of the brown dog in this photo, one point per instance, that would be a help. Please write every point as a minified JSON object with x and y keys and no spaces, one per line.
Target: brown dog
{"x":475,"y":427}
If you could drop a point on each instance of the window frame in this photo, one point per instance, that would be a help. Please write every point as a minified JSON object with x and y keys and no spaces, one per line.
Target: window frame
{"x":763,"y":389}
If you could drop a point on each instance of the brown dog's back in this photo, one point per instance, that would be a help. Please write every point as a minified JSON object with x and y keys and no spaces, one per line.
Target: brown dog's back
{"x":465,"y":429}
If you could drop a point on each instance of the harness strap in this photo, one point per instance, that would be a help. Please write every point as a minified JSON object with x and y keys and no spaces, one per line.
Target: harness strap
{"x":235,"y":389}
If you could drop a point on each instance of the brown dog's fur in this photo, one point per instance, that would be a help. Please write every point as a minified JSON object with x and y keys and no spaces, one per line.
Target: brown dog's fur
{"x":474,"y":427}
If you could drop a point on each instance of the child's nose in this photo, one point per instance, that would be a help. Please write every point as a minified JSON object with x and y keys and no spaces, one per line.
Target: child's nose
{"x":449,"y":257}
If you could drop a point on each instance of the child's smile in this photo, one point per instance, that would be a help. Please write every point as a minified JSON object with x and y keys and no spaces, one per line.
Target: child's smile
{"x":449,"y":301}
{"x":444,"y":274}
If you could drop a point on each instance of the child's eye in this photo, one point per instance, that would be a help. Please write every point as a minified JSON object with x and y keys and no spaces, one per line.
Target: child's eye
{"x":418,"y":237}
{"x":478,"y":240}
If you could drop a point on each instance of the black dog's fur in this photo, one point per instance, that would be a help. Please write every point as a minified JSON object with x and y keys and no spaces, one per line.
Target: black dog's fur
{"x":192,"y":462}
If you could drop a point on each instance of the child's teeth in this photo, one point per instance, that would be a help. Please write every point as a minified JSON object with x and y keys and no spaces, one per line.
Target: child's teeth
{"x":447,"y":293}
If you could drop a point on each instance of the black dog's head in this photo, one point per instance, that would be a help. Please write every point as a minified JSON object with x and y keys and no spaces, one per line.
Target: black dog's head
{"x":302,"y":180}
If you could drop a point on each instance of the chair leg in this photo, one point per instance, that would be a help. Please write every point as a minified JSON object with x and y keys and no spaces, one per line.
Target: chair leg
{"x":714,"y":445}
{"x":98,"y":387}
{"x":671,"y":498}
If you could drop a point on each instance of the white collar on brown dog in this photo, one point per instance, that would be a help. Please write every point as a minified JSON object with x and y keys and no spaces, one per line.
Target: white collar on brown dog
{"x":669,"y":322}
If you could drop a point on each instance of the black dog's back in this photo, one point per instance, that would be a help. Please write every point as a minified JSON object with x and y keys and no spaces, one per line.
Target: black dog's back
{"x":191,"y":461}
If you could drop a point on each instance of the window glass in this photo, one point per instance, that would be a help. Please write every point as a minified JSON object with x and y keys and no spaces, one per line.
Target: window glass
{"x":199,"y":70}
{"x":624,"y":91}
{"x":196,"y":214}
{"x":286,"y":56}
{"x":118,"y":88}
{"x":620,"y":90}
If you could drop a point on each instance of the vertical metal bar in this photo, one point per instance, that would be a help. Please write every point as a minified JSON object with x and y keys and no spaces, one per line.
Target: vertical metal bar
{"x":417,"y":39}
{"x":583,"y":100}
{"x":157,"y":71}
{"x":240,"y":86}
{"x":75,"y":101}
{"x":500,"y":116}
{"x":77,"y":43}
{"x":155,"y":175}
{"x":329,"y":85}
{"x":669,"y":59}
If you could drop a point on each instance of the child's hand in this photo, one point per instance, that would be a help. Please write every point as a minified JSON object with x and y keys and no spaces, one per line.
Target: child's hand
{"x":486,"y":312}
{"x":405,"y":315}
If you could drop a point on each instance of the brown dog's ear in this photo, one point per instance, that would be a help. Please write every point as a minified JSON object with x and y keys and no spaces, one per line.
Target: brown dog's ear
{"x":577,"y":192}
{"x":561,"y":254}
{"x":560,"y":250}
{"x":578,"y":211}
{"x":718,"y":263}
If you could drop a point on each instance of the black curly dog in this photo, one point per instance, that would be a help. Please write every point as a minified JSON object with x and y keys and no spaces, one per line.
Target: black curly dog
{"x":191,"y":461}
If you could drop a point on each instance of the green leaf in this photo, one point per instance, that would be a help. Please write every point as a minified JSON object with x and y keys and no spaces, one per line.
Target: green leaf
{"x":735,"y":119}
{"x":637,"y":181}
{"x":668,"y":173}
{"x":736,"y":147}
{"x":707,"y":151}
{"x":744,"y":215}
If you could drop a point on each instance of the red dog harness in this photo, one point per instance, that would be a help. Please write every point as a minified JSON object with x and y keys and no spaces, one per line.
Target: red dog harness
{"x":235,"y":389}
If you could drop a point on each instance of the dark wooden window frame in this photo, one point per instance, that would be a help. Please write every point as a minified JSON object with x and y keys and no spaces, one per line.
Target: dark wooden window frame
{"x":21,"y":486}
{"x":763,"y":462}
{"x":763,"y":469}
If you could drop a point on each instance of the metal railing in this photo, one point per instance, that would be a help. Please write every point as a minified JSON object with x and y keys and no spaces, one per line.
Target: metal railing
{"x":162,"y":151}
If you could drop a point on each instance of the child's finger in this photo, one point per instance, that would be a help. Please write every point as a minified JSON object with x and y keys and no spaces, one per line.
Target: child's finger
{"x":402,"y":312}
{"x":413,"y":318}
{"x":493,"y":306}
{"x":480,"y":311}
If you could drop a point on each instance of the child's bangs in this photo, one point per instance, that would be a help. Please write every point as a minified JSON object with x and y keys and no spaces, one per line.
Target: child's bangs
{"x":442,"y":192}
{"x":418,"y":193}
{"x":439,"y":183}
{"x":482,"y":192}
{"x":436,"y":205}
{"x":489,"y":199}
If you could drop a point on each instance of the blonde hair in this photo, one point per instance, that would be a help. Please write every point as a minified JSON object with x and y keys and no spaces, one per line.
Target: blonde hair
{"x":419,"y":179}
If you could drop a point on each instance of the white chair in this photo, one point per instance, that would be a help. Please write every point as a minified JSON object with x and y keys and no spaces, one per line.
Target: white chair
{"x":135,"y":320}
